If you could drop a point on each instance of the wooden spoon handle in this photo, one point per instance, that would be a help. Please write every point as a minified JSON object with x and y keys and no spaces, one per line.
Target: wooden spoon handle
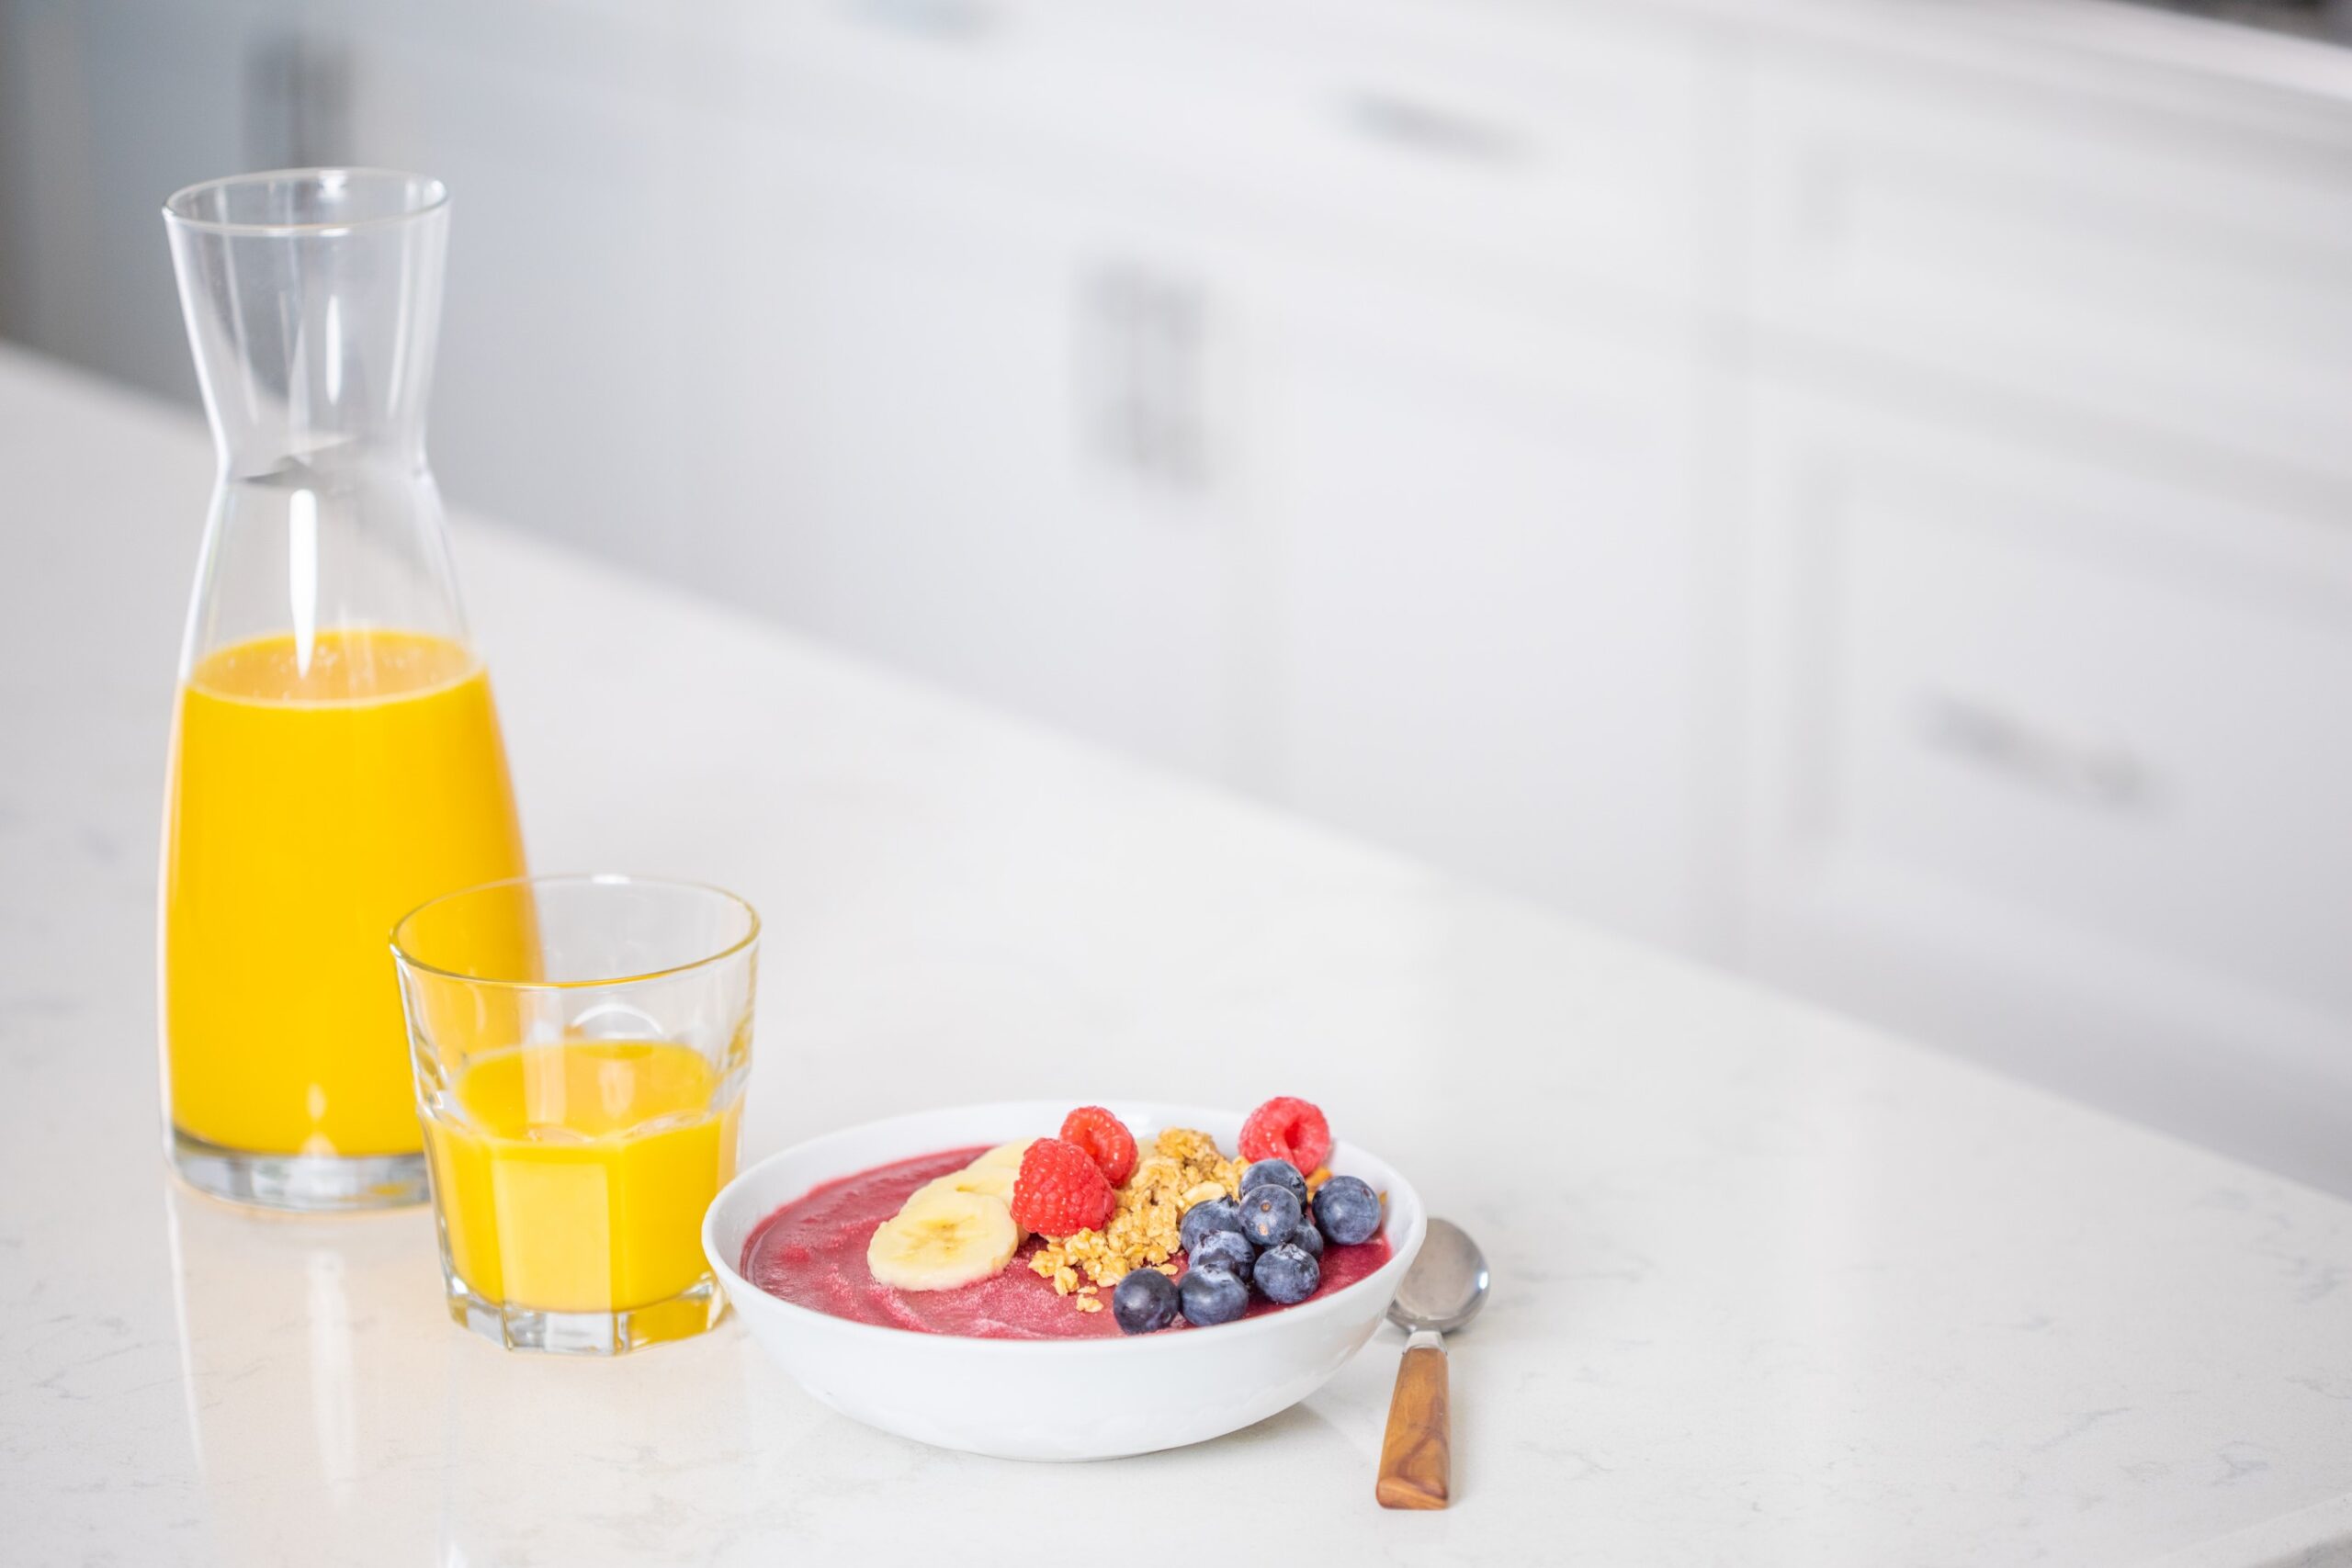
{"x":1417,"y":1456}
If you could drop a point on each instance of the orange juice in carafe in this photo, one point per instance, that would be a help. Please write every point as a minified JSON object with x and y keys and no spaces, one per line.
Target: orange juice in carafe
{"x":313,"y":801}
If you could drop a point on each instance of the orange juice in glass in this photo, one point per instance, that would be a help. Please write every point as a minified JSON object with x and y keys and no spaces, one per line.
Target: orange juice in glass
{"x":580,"y":1100}
{"x":335,"y":755}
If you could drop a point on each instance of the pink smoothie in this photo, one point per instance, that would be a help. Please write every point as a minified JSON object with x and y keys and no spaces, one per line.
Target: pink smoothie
{"x":812,"y":1252}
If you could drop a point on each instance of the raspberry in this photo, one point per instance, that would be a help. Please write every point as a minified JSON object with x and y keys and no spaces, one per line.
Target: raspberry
{"x":1105,"y":1140}
{"x":1287,"y":1127}
{"x":1060,"y":1190}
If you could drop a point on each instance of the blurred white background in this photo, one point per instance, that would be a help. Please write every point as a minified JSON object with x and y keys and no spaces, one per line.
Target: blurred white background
{"x":1859,"y":490}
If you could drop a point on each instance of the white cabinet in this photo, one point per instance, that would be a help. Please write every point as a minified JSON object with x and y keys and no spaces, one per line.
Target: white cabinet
{"x":1479,"y":546}
{"x":2052,"y":761}
{"x":2178,"y":270}
{"x":949,"y":429}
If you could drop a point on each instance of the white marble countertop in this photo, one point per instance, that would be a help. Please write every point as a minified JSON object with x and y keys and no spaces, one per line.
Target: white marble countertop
{"x":1770,"y":1287}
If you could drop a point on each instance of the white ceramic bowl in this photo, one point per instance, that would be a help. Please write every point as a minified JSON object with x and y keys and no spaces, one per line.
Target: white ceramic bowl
{"x":1053,"y":1399}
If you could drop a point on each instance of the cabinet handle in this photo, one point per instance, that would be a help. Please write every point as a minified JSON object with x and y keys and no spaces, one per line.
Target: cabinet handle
{"x":298,"y":101}
{"x":1988,"y":737}
{"x":1142,"y":343}
{"x":1413,"y":126}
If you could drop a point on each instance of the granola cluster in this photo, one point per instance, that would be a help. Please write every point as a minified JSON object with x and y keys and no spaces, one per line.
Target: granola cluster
{"x":1184,"y":1168}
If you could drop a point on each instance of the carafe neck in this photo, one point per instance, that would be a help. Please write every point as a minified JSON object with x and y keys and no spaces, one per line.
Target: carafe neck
{"x":314,"y":302}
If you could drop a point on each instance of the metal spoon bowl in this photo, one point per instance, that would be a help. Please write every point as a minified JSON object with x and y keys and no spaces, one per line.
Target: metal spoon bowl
{"x":1446,"y":1285}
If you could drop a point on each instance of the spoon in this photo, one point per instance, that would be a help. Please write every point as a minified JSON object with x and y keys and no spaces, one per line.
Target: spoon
{"x":1443,"y":1291}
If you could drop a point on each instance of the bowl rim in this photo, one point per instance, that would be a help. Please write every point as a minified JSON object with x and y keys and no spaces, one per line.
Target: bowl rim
{"x":739,"y":1289}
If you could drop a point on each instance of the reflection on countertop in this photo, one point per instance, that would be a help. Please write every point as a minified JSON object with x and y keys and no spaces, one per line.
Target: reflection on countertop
{"x":297,"y":1362}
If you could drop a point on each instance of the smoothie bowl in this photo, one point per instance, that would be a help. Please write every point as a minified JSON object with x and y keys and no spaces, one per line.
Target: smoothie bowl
{"x":861,"y":1262}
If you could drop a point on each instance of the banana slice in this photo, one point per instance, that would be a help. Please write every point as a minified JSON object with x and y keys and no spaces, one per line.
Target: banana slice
{"x":993,"y":1173}
{"x":941,"y":1239}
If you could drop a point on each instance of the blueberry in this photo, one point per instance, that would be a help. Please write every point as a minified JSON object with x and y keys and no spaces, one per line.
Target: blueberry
{"x":1224,"y":1249}
{"x":1217,"y":1214}
{"x":1348,"y":1210}
{"x":1306,"y":1238}
{"x":1287,"y":1274}
{"x":1213,"y":1296}
{"x":1275,"y":1170}
{"x":1144,"y":1301}
{"x":1269,"y":1213}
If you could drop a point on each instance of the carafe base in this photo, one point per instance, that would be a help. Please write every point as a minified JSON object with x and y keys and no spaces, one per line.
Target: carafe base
{"x":305,"y":1184}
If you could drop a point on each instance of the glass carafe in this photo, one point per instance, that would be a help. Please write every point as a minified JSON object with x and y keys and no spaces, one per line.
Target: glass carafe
{"x":336,"y":757}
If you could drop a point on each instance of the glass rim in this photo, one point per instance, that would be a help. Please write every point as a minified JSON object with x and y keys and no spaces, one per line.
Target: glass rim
{"x":401,"y":954}
{"x":433,"y":196}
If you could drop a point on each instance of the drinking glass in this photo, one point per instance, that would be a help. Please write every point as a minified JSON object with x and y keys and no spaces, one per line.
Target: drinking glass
{"x":335,"y":754}
{"x":581,"y":1045}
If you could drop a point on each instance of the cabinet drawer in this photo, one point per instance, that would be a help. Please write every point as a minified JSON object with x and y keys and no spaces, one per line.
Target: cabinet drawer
{"x":2045,"y":707}
{"x":1563,"y":144}
{"x":1559,"y":145}
{"x":2173,"y":268}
